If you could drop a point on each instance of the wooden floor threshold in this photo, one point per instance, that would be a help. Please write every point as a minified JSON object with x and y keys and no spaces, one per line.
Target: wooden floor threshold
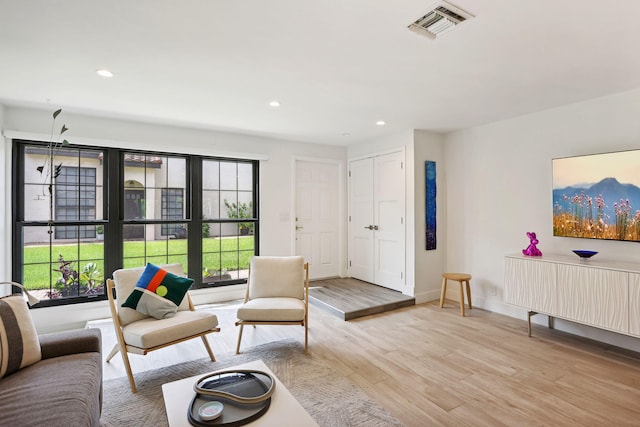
{"x":349,"y":299}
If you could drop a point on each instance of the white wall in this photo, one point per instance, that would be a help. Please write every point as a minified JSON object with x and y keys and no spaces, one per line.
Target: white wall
{"x":498,"y":187}
{"x":275,"y":189}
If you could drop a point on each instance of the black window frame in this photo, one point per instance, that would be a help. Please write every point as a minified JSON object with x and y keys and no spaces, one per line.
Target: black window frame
{"x":20,"y":149}
{"x":254,"y":220}
{"x":113,"y":170}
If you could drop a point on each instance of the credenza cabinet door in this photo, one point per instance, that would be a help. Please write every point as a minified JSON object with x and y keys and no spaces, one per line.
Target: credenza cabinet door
{"x":634,"y":304}
{"x":530,"y":284}
{"x":594,"y":296}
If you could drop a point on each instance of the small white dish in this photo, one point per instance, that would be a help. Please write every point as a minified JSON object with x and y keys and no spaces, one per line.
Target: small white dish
{"x":210,"y":410}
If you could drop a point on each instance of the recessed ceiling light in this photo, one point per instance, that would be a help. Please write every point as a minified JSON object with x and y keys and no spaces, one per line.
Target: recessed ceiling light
{"x":380,"y":123}
{"x":104,"y":73}
{"x":274,"y":104}
{"x":345,"y":134}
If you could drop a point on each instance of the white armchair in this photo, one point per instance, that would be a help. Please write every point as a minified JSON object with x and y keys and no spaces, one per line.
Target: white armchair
{"x":139,"y":334}
{"x":277,"y":294}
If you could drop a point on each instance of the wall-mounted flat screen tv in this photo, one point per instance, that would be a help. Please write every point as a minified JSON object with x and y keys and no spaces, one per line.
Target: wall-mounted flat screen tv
{"x":597,"y":196}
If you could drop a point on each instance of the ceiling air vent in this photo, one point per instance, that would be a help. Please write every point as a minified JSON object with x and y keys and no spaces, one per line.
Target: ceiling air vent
{"x":439,"y":19}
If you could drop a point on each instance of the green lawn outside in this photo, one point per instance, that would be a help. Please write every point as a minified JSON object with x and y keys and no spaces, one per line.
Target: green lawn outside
{"x":226,"y":254}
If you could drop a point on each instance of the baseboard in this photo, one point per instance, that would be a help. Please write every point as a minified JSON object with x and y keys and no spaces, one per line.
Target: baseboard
{"x":423,"y":297}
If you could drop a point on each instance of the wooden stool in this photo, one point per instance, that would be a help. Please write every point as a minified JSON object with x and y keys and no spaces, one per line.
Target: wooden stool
{"x":460,"y":278}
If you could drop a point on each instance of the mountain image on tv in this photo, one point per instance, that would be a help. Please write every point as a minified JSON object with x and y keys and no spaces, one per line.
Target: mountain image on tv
{"x":607,"y":209}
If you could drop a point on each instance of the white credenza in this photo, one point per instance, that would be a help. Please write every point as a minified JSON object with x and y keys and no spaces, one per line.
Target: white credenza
{"x":603,"y":294}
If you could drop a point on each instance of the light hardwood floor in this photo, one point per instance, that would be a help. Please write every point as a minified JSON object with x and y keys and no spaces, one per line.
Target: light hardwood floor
{"x":430,"y":366}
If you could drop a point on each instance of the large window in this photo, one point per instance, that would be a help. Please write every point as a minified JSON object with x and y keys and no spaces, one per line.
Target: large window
{"x":163,"y":208}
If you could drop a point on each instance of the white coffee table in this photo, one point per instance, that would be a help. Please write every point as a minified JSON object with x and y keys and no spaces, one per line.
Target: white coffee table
{"x":284,"y":408}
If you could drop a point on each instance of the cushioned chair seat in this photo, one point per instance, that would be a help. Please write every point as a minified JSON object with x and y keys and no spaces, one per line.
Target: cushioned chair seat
{"x":272,"y":309}
{"x":150,"y":332}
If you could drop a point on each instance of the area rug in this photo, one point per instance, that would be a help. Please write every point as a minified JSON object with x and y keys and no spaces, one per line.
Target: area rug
{"x":331,"y":399}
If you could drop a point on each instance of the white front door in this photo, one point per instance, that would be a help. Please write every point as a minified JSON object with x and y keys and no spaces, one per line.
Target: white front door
{"x":376,"y":220}
{"x":317,"y":216}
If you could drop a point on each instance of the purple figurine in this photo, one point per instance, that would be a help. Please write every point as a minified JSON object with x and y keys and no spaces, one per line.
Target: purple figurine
{"x":532,"y":250}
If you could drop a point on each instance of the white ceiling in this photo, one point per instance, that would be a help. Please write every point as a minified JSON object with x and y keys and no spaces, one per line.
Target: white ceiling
{"x":336,"y":66}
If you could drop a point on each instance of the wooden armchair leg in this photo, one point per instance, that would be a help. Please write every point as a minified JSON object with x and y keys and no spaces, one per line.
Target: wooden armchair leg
{"x":239,"y":338}
{"x":114,"y":351}
{"x":208,"y":347}
{"x":127,"y":366}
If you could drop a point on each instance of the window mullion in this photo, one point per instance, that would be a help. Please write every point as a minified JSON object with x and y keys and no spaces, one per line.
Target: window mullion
{"x":113,"y":197}
{"x":193,"y":212}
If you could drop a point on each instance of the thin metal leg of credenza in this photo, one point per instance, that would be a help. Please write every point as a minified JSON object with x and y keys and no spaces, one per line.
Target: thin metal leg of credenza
{"x":531,"y":313}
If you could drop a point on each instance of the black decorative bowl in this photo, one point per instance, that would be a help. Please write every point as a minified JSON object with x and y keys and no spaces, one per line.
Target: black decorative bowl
{"x":585,"y":254}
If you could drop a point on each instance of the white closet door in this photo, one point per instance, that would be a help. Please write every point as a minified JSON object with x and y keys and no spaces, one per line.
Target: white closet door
{"x":388,"y":216}
{"x":376,"y":223}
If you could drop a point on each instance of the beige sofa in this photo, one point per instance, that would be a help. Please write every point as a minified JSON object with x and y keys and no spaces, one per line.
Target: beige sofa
{"x":63,"y":389}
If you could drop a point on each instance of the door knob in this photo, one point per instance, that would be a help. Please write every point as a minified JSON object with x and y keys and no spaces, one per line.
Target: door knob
{"x":375,"y":227}
{"x":369,"y":227}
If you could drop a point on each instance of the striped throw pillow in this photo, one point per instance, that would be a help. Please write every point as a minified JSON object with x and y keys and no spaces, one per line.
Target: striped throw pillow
{"x":19,"y":343}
